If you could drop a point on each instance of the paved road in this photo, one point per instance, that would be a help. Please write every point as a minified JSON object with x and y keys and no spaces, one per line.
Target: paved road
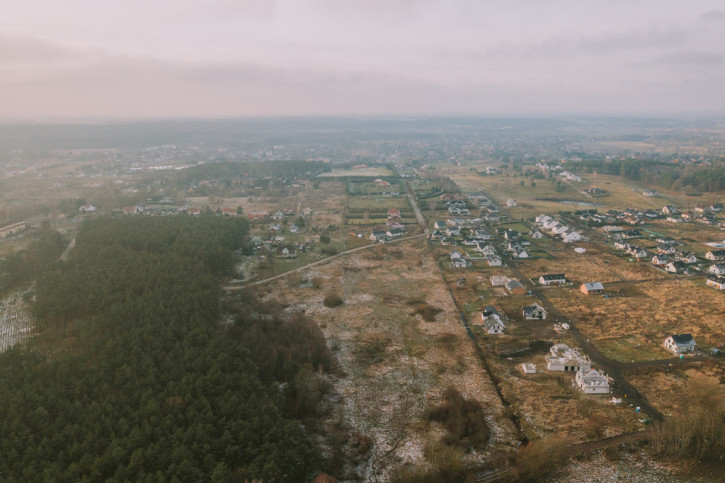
{"x":414,"y":204}
{"x":243,"y":285}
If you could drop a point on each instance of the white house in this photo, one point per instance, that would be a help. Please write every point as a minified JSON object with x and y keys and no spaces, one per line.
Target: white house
{"x":534,"y":312}
{"x":680,"y":344}
{"x":536,"y":234}
{"x":716,"y":282}
{"x":715,"y":255}
{"x":528,"y":368}
{"x":571,"y":236}
{"x":552,"y":279}
{"x":592,"y":382}
{"x":716,"y":269}
{"x":511,"y":203}
{"x":492,"y":321}
{"x":493,"y":260}
{"x":563,"y":358}
{"x":278,"y":216}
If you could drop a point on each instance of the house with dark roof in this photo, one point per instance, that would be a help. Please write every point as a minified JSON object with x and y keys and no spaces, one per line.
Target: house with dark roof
{"x":552,"y":279}
{"x":515,"y":288}
{"x":534,"y":312}
{"x":492,"y":320}
{"x":680,"y":344}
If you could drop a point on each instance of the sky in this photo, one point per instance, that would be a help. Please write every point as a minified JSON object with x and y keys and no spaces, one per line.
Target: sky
{"x":240,"y":58}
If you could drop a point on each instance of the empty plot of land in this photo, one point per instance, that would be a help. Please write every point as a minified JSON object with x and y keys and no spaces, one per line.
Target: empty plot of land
{"x":654,"y":310}
{"x":396,"y":362}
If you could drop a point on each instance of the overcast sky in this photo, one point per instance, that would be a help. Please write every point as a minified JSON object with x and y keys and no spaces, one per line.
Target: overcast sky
{"x":229,"y":58}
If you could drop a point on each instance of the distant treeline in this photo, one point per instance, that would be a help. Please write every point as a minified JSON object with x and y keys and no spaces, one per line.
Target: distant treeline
{"x":275,"y":169}
{"x":133,"y":378}
{"x":709,"y":178}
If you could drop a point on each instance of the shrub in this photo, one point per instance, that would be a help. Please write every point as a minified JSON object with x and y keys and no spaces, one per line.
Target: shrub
{"x":332,"y":301}
{"x":428,"y":312}
{"x":463,"y":419}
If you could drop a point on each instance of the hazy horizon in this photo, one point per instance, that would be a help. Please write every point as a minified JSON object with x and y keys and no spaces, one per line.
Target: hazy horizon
{"x":226,"y":59}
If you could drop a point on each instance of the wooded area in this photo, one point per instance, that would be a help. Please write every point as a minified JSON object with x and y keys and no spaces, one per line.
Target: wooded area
{"x":132,"y":377}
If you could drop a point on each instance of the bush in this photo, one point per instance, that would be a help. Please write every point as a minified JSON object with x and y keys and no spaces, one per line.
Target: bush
{"x":463,"y":419}
{"x":332,"y":301}
{"x":428,"y":312}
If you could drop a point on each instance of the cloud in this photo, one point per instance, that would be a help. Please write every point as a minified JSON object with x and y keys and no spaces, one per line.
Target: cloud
{"x":713,"y":15}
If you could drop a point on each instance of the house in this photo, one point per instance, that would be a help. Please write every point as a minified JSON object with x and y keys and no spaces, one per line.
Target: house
{"x":511,"y":203}
{"x":590,"y":288}
{"x":592,"y":382}
{"x":378,"y":235}
{"x":286,"y":251}
{"x":660,"y":260}
{"x":393,"y":213}
{"x":275,"y":227}
{"x":229,"y":212}
{"x":666,"y":249}
{"x":519,"y":252}
{"x":536,"y":234}
{"x":680,"y":344}
{"x":482,"y":234}
{"x":459,"y":263}
{"x":571,"y":236}
{"x":716,"y":282}
{"x":130,"y":210}
{"x":439,"y":225}
{"x":717,"y":207}
{"x":534,"y":312}
{"x":621,"y":245}
{"x":445,"y":241}
{"x":676,"y":267}
{"x":515,"y":288}
{"x":563,"y":358}
{"x":493,"y":260}
{"x":455,"y":254}
{"x":528,"y":368}
{"x":688,"y":257}
{"x":87,"y":209}
{"x":453,"y":231}
{"x":486,"y":249}
{"x":498,"y":280}
{"x":492,"y":320}
{"x":279,"y":215}
{"x":715,"y":255}
{"x":256,"y":215}
{"x":552,"y":279}
{"x":669,"y":210}
{"x":437,"y":235}
{"x":306,"y":211}
{"x":294,"y":229}
{"x":394,"y":233}
{"x":716,"y":269}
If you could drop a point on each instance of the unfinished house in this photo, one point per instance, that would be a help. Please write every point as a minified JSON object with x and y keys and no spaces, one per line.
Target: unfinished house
{"x":563,"y":358}
{"x":592,"y":382}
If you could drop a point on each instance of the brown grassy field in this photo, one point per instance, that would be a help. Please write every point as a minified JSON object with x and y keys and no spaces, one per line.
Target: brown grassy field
{"x":653,"y":310}
{"x":396,"y":364}
{"x":672,"y":391}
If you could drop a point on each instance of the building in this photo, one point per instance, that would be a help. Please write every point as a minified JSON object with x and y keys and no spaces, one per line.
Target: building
{"x":534,"y":312}
{"x":552,"y":279}
{"x":592,"y":382}
{"x":716,"y":282}
{"x":563,"y":358}
{"x":590,"y":288}
{"x":515,"y":288}
{"x":680,"y":344}
{"x":528,"y":368}
{"x":492,"y":320}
